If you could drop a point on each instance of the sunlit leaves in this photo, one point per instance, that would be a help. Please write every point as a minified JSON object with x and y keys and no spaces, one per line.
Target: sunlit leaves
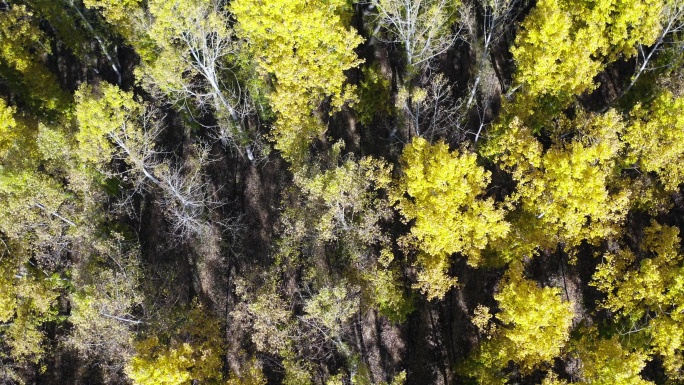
{"x":113,"y":10}
{"x":563,"y":45}
{"x":192,"y":68}
{"x":442,"y":192}
{"x":193,"y":354}
{"x":22,"y":49}
{"x":656,"y":139}
{"x":127,"y":18}
{"x":384,"y":291}
{"x":532,"y":329}
{"x":306,"y":47}
{"x":536,"y":322}
{"x":649,"y":291}
{"x":101,"y":114}
{"x":348,"y":199}
{"x":564,"y":194}
{"x":27,"y":299}
{"x":607,"y":362}
{"x":332,"y":308}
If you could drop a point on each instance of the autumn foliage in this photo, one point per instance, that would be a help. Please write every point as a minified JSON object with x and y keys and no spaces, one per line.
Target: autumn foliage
{"x":328,"y":192}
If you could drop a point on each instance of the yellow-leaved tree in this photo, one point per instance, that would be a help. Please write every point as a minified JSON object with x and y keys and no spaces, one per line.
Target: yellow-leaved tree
{"x":534,"y":326}
{"x":605,"y":361}
{"x":191,"y":353}
{"x":343,"y":208}
{"x":28,"y":299}
{"x":443,"y":192}
{"x":645,"y":287}
{"x":23,"y":45}
{"x":194,"y":67}
{"x":656,"y":139}
{"x":305,"y":46}
{"x":566,"y":193}
{"x":128,"y":19}
{"x":113,"y":123}
{"x":33,"y":210}
{"x":117,"y":12}
{"x":536,"y":321}
{"x":564,"y":44}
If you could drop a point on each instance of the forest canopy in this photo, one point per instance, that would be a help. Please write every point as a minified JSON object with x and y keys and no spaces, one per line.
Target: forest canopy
{"x":331,"y":192}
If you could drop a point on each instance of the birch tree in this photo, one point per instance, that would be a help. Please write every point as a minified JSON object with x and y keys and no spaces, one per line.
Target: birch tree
{"x":431,"y":111}
{"x":195,"y":65}
{"x":672,"y":21}
{"x":496,"y":19}
{"x":114,"y":124}
{"x":422,"y":27}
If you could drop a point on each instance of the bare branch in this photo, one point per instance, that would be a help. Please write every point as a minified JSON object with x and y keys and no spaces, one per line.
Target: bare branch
{"x":422,"y":27}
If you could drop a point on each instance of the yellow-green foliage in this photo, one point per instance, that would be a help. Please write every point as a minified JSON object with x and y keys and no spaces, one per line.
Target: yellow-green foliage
{"x":328,"y":315}
{"x":306,"y":46}
{"x":535,"y":321}
{"x":251,"y":374}
{"x":607,"y":362}
{"x":345,"y":199}
{"x":62,"y":20}
{"x":99,"y":114}
{"x":113,"y":10}
{"x":656,"y":139}
{"x":382,"y":289}
{"x":26,"y":144}
{"x":173,"y":19}
{"x":23,"y":189}
{"x":27,"y":300}
{"x":564,"y":194}
{"x":443,"y":192}
{"x":296,"y":373}
{"x":635,"y":292}
{"x":481,"y":319}
{"x":343,"y":206}
{"x":8,"y":128}
{"x":269,"y":315}
{"x":27,"y":200}
{"x":332,"y":308}
{"x":106,"y":292}
{"x":194,"y":354}
{"x":189,"y":37}
{"x":552,"y":379}
{"x":374,"y":95}
{"x":30,"y":199}
{"x":534,"y":328}
{"x":8,"y":301}
{"x":20,"y":36}
{"x":22,"y":48}
{"x":128,"y":19}
{"x":654,"y":288}
{"x":564,"y":44}
{"x":156,"y":364}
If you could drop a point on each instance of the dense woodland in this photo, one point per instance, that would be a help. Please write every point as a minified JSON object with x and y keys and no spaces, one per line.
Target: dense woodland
{"x":328,"y":192}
